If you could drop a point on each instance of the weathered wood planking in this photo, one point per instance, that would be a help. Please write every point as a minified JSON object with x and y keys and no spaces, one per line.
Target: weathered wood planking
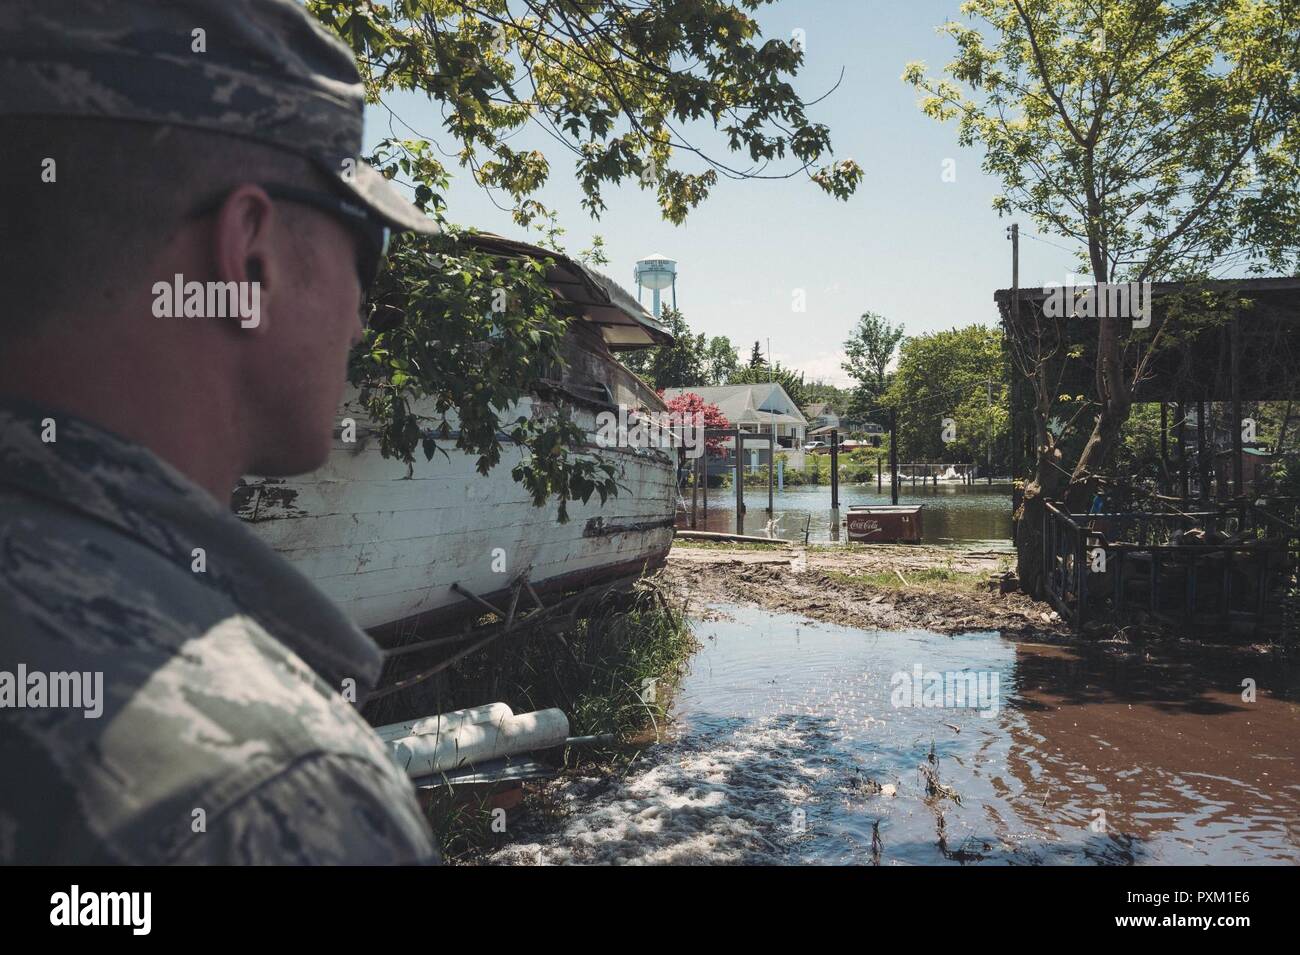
{"x":388,"y":547}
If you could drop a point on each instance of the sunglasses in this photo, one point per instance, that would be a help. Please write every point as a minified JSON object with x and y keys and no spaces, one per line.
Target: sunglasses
{"x":373,"y":235}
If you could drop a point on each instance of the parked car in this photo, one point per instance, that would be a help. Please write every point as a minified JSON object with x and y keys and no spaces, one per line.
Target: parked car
{"x":814,"y":445}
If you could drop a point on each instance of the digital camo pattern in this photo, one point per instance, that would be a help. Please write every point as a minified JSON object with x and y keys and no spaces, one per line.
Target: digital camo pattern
{"x":265,"y":68}
{"x":259,"y":69}
{"x":221,"y":702}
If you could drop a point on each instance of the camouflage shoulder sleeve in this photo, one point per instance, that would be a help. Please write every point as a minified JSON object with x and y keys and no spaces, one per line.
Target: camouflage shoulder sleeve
{"x":325,"y":809}
{"x":195,"y":735}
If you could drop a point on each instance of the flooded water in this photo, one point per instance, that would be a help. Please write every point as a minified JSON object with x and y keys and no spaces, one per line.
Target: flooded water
{"x":977,"y":513}
{"x":788,"y":747}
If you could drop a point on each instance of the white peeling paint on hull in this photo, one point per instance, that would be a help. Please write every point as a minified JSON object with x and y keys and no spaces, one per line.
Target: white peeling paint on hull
{"x":388,"y":548}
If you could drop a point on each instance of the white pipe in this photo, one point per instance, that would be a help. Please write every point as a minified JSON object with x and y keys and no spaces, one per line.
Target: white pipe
{"x":471,"y":743}
{"x":445,"y":722}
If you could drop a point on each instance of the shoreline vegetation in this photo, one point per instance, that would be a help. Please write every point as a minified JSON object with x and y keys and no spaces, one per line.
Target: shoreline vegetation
{"x":611,"y":669}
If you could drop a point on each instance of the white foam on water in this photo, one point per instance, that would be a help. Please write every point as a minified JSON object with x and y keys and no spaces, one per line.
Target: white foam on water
{"x":726,"y":797}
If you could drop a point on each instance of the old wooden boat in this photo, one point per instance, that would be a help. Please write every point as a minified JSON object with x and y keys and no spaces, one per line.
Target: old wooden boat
{"x":397,"y":550}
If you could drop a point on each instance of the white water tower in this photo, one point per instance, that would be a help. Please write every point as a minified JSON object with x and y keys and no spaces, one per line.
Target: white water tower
{"x":656,"y":272}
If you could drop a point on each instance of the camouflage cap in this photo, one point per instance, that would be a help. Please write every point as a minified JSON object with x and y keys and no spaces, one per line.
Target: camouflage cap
{"x":260,"y":69}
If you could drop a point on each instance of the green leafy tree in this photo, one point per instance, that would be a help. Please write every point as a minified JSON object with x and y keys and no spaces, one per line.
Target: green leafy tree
{"x":439,"y":329}
{"x":720,"y":360}
{"x":838,"y":398}
{"x":679,"y":365}
{"x":1162,"y":137}
{"x":613,"y":83}
{"x":868,"y":353}
{"x":940,"y":393}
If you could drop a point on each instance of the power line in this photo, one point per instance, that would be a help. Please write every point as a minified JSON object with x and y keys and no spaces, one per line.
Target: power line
{"x":1036,"y":238}
{"x":983,"y":382}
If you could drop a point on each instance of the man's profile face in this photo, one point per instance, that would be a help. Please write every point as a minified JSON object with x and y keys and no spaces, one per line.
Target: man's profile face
{"x":298,"y":368}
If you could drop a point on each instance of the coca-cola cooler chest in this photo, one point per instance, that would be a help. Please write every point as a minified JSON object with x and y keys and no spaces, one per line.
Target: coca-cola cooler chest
{"x":885,"y":523}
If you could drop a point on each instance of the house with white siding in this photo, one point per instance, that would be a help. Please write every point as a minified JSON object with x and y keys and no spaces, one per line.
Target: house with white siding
{"x":821,"y":415}
{"x":756,"y":409}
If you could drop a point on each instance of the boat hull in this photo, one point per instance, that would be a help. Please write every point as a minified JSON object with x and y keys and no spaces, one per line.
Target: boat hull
{"x":388,"y":546}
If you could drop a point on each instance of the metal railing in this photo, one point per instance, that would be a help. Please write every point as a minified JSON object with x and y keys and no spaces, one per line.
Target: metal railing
{"x":1236,"y":568}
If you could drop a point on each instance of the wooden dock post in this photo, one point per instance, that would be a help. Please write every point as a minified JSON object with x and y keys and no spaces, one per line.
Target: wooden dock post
{"x":835,"y":470}
{"x":704,"y":491}
{"x":740,"y":483}
{"x":771,"y":470}
{"x":695,"y":489}
{"x":893,"y":455}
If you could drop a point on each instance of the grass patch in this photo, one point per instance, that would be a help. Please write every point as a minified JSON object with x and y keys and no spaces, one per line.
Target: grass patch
{"x":934,"y":579}
{"x":699,"y":544}
{"x":595,"y":668}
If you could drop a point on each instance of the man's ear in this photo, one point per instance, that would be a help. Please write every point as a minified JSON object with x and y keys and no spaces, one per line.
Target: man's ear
{"x":243,"y":248}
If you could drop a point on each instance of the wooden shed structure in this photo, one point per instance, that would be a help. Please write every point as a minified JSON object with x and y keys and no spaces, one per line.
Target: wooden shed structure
{"x":1203,"y":550}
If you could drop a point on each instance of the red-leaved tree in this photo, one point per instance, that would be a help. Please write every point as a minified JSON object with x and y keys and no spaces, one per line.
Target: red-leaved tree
{"x":690,"y":403}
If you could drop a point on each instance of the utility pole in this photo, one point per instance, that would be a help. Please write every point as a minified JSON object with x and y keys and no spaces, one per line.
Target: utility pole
{"x":893,"y":456}
{"x":1013,"y":234}
{"x":989,"y":451}
{"x":771,"y":446}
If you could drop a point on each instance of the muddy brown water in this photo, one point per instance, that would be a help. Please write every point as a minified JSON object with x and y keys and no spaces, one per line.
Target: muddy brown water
{"x":953,"y":513}
{"x":795,"y":742}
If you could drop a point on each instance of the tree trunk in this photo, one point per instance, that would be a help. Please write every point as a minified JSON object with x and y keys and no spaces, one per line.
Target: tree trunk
{"x":1116,"y":399}
{"x":1029,"y":519}
{"x":1030,"y":567}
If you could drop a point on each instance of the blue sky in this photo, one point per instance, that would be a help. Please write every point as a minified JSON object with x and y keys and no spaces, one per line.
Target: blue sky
{"x":919,"y":250}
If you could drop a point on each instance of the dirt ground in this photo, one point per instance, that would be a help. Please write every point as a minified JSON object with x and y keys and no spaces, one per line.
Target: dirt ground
{"x":825,"y":583}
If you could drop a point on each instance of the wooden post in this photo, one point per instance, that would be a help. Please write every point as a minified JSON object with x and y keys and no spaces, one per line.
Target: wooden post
{"x":740,"y":483}
{"x":988,"y":454}
{"x":1013,"y":395}
{"x":695,"y":489}
{"x":771,"y":471}
{"x":893,"y":455}
{"x":1184,"y":479}
{"x":704,"y":491}
{"x":1014,"y":235}
{"x":1202,"y":459}
{"x":1164,"y":446}
{"x":880,"y":473}
{"x":1237,"y":489}
{"x":835,"y":470}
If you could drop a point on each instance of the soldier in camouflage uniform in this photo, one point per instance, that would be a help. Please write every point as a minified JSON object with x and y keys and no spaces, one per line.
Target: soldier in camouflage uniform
{"x":227,"y":730}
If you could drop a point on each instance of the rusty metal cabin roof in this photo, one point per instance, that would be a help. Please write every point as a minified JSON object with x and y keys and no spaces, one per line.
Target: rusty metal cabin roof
{"x":1196,"y":364}
{"x":598,"y":299}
